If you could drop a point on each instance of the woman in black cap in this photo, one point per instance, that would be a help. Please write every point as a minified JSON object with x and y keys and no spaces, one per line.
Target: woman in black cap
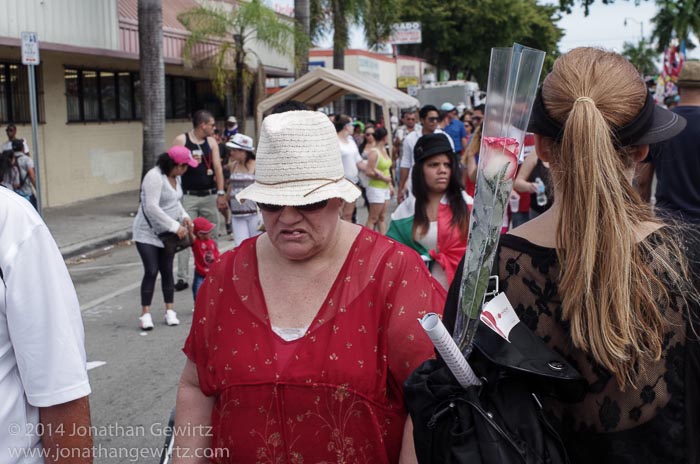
{"x":602,"y":280}
{"x":434,"y":221}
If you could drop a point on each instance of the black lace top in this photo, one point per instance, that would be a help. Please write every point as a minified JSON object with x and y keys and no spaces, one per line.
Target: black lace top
{"x":656,"y":422}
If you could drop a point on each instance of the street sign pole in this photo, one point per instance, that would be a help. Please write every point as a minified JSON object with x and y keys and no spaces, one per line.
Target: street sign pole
{"x":35,"y":137}
{"x":30,"y":58}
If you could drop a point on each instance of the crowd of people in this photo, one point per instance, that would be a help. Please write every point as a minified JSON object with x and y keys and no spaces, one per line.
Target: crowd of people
{"x":590,"y":267}
{"x":302,"y":336}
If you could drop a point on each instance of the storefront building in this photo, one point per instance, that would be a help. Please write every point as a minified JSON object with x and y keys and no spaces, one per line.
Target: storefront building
{"x":90,"y":133}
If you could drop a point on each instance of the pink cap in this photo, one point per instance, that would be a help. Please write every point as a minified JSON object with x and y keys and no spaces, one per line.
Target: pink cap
{"x":182,"y":155}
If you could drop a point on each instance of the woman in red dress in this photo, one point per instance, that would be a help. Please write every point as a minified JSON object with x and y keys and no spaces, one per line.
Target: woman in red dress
{"x":302,"y":338}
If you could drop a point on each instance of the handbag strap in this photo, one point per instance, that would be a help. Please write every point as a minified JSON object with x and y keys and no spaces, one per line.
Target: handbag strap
{"x":143,"y":210}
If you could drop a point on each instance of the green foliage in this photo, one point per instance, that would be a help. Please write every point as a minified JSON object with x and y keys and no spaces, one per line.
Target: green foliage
{"x":461,"y":34}
{"x":642,"y":55}
{"x":567,"y":5}
{"x":676,"y":18}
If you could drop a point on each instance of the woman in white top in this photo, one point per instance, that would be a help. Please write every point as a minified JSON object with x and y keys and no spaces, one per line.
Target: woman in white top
{"x":350,"y":155}
{"x":160,"y":211}
{"x":245,"y":217}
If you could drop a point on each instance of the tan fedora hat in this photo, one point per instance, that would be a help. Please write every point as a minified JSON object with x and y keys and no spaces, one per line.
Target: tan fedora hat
{"x":298,"y":162}
{"x":690,"y":74}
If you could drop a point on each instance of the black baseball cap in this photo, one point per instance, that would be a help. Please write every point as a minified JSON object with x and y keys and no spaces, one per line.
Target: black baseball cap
{"x":430,"y":145}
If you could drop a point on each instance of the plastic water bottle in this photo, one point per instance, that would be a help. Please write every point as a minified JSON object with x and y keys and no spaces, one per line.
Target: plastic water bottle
{"x":514,"y":201}
{"x":541,"y":196}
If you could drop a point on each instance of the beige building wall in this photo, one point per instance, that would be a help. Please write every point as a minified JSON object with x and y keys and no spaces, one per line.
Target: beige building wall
{"x":380,"y":69}
{"x":84,"y":160}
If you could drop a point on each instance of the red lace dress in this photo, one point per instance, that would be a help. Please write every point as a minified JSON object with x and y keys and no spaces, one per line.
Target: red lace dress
{"x":332,"y":396}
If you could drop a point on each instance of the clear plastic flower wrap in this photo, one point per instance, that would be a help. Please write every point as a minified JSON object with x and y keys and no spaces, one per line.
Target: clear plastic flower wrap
{"x":512,"y":83}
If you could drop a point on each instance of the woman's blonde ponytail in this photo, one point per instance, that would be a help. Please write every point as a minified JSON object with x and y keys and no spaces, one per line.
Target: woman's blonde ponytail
{"x":610,"y":295}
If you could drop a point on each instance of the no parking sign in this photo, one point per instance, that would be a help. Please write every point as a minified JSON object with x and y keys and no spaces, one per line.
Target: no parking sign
{"x":30,"y":48}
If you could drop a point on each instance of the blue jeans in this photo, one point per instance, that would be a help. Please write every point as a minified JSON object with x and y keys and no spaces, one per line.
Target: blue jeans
{"x":196,"y":283}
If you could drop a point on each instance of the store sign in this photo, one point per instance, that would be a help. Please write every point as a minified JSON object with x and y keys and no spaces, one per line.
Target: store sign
{"x":30,"y":48}
{"x":368,"y":67}
{"x":406,"y":81}
{"x":406,"y":33}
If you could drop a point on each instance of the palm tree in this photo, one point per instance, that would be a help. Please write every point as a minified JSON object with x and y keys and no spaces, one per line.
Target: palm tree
{"x":152,"y":75}
{"x":676,"y":19}
{"x":250,"y":20}
{"x":301,"y":50}
{"x":642,"y":56}
{"x":377,"y":17}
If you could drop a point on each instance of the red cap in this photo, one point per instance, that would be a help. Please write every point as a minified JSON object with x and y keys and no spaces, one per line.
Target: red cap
{"x":202,"y":225}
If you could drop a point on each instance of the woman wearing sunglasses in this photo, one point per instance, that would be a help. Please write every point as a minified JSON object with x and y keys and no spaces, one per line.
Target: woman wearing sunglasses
{"x":303,"y":336}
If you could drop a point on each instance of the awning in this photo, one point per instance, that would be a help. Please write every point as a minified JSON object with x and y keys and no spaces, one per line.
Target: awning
{"x":322,"y":86}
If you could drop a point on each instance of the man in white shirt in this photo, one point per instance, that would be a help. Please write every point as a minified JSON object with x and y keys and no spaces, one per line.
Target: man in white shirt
{"x":44,"y":410}
{"x":429,"y":118}
{"x":409,"y":120}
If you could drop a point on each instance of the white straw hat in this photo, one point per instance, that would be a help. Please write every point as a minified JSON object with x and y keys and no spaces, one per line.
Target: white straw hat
{"x":298,"y":162}
{"x":241,"y":142}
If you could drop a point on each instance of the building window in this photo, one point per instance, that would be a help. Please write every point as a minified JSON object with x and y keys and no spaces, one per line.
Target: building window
{"x":101,"y":95}
{"x":91,"y":100}
{"x":14,"y":93}
{"x":204,"y":98}
{"x":125,"y":95}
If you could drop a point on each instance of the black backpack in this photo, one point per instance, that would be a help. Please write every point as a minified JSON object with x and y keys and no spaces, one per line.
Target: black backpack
{"x":501,"y":421}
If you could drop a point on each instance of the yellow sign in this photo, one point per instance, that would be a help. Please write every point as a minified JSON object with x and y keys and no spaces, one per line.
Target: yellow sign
{"x":403,"y":82}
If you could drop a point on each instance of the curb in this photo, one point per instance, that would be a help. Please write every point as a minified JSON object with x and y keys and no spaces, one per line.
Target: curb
{"x":76,"y":249}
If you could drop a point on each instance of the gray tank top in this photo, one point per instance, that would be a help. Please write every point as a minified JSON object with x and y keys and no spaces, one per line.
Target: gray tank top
{"x":239,"y":181}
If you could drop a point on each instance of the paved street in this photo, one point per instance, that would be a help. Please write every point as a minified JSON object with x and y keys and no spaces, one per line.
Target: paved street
{"x":134,"y":390}
{"x":133,"y":374}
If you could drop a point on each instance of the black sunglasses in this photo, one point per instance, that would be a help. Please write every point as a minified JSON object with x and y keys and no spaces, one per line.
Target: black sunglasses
{"x":304,"y":208}
{"x":432,"y":119}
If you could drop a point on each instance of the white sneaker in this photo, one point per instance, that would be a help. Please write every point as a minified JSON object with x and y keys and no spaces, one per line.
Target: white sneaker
{"x":146,"y":321}
{"x":171,"y":317}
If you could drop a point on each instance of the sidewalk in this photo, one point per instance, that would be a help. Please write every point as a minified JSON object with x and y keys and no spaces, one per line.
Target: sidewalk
{"x":88,"y":225}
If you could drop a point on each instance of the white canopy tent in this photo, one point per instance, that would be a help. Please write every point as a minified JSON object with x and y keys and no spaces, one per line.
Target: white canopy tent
{"x":322,"y":86}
